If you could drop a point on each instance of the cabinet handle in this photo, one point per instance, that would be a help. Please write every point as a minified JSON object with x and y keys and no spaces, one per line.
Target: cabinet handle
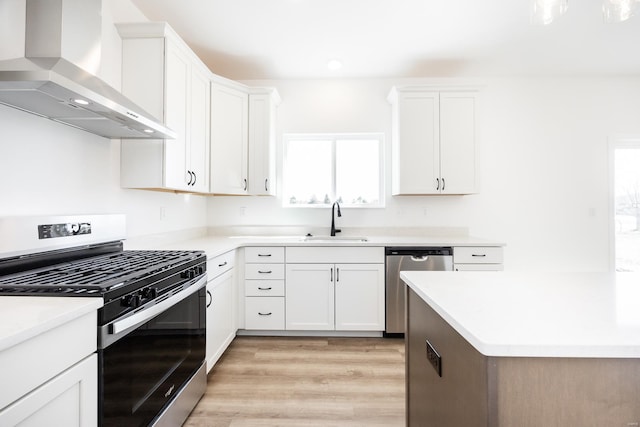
{"x":245,"y":184}
{"x":210,"y":300}
{"x":195,"y":178}
{"x":264,"y":255}
{"x":331,"y":278}
{"x":265,"y":272}
{"x":264,"y":289}
{"x":190,"y":177}
{"x":223,"y":264}
{"x":264,"y":314}
{"x":479,"y":255}
{"x":266,"y":187}
{"x":438,"y":184}
{"x":443,"y":184}
{"x":337,"y":274}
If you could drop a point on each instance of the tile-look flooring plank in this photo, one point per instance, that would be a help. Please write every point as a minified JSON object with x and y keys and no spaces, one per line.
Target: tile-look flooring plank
{"x":305,"y":382}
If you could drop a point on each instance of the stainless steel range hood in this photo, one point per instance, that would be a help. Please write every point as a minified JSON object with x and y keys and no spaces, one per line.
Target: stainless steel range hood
{"x":55,"y":77}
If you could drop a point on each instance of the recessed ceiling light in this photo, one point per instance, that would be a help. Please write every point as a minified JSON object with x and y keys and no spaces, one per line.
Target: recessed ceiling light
{"x":334,"y":64}
{"x":148,"y":131}
{"x":80,"y":101}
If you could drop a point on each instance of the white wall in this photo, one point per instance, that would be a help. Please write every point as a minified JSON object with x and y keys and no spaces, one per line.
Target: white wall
{"x":49,"y":168}
{"x":543,"y":165}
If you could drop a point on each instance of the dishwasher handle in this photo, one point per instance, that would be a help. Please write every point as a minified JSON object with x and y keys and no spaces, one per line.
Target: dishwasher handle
{"x":419,"y":251}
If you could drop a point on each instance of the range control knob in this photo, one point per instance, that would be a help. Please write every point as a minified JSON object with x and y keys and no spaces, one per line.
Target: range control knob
{"x":132,"y":301}
{"x":149,"y":293}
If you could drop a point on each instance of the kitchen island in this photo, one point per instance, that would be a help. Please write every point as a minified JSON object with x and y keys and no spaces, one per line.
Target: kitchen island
{"x":523,"y":349}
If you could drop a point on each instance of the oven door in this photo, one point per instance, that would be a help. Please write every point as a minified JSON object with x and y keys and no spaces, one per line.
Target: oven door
{"x":147,"y":357}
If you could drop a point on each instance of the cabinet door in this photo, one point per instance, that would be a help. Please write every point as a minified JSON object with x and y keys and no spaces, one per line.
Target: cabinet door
{"x":261,"y":145}
{"x":309,"y":294}
{"x":359,"y":290}
{"x":221,"y":325}
{"x":176,"y":92}
{"x":69,"y":399}
{"x":198,"y":147}
{"x":229,"y":140}
{"x":416,"y":149}
{"x":457,"y":142}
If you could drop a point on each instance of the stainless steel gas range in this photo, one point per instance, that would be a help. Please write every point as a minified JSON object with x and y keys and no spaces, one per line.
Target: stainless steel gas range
{"x":151,"y":329}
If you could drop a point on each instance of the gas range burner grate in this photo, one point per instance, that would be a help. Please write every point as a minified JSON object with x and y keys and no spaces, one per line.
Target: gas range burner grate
{"x":95,"y":274}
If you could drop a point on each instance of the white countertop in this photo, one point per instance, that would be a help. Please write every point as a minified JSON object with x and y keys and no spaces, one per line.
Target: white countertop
{"x":22,"y":318}
{"x":217,"y":245}
{"x":538,"y":314}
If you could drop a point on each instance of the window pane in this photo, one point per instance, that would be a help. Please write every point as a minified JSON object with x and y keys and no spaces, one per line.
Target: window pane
{"x":308,"y":172}
{"x":358,"y":171}
{"x":627,"y":208}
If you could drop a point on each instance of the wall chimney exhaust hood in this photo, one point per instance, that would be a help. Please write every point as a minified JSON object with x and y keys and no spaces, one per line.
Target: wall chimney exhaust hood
{"x":48,"y":67}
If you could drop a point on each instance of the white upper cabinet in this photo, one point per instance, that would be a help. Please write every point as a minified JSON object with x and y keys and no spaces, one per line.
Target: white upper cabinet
{"x":433,"y":141}
{"x":243,"y":139}
{"x":229,"y":140}
{"x":161,"y":73}
{"x":262,"y":141}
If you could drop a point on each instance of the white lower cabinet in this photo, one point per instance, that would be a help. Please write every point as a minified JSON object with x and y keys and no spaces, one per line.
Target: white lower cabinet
{"x":221,"y":304}
{"x":264,"y":288}
{"x":264,"y":313}
{"x":341,"y":297}
{"x":69,"y":399}
{"x":310,"y":297}
{"x":359,"y":297}
{"x":331,"y":295}
{"x":478,"y":258}
{"x":51,"y":379}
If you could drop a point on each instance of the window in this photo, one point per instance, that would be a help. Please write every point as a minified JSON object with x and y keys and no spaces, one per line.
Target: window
{"x":627,"y":205}
{"x":322,"y":169}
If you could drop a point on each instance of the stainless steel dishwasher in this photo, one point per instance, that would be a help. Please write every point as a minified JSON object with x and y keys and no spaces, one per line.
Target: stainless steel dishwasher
{"x":408,"y":259}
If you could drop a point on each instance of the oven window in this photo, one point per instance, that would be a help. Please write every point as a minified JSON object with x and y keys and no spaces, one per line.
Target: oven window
{"x":144,"y":370}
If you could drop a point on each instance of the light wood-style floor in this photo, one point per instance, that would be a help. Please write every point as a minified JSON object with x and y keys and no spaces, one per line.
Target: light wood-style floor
{"x":328,"y":382}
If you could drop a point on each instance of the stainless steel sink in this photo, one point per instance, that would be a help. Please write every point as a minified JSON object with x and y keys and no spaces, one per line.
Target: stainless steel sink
{"x":343,"y":239}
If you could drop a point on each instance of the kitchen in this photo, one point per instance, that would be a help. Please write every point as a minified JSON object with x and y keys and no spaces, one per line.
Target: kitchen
{"x":543,"y":160}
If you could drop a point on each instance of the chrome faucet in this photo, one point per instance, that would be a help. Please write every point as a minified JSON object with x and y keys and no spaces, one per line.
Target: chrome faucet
{"x":333,"y":218}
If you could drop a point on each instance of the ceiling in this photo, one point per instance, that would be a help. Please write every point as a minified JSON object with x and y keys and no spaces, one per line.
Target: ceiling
{"x":287,"y":39}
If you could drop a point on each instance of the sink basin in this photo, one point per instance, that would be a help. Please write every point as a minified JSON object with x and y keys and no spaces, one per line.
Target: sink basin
{"x":343,"y":239}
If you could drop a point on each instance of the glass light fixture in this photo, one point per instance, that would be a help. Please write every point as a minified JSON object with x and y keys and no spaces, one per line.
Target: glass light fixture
{"x":544,"y":12}
{"x":618,"y":10}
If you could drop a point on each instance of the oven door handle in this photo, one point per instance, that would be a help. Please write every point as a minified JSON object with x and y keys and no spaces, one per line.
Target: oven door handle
{"x":147,"y":314}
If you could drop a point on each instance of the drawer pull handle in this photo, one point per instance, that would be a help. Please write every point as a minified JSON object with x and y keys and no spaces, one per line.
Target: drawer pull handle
{"x":223,"y":264}
{"x":264,"y":254}
{"x":265,"y":289}
{"x":265,"y":272}
{"x":479,"y":255}
{"x":264,"y":314}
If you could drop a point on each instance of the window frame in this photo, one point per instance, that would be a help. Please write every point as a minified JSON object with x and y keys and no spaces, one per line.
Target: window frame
{"x":616,"y":142}
{"x":334,"y":137}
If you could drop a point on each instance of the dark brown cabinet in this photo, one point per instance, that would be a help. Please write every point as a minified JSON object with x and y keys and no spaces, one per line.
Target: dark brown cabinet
{"x":479,"y":391}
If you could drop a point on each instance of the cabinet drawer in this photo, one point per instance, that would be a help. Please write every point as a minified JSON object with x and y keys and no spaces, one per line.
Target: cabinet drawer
{"x":264,"y":313}
{"x":218,"y":265}
{"x":264,"y":271}
{"x":264,"y":288}
{"x":264,"y":254}
{"x":477,"y":255}
{"x":335,"y":255}
{"x":478,"y":267}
